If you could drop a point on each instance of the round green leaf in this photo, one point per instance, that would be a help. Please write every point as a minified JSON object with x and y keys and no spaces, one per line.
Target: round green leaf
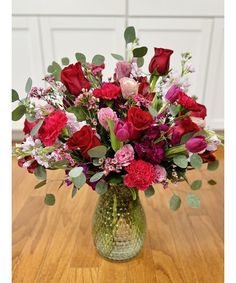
{"x":212,"y":182}
{"x":96,"y":177}
{"x":181,"y":161}
{"x":213,"y":165}
{"x":129,"y":34}
{"x":196,"y":185}
{"x":101,"y":187}
{"x":78,"y":112}
{"x":175,"y":202}
{"x":140,"y":51}
{"x":80,"y":57}
{"x":196,"y":161}
{"x":186,"y":136}
{"x":28,"y":85}
{"x":50,"y":69}
{"x":140,"y":61}
{"x":75,"y":172}
{"x":98,"y":60}
{"x":117,"y":56}
{"x":149,"y":191}
{"x":49,"y":199}
{"x":14,"y":95}
{"x":18,"y":113}
{"x":193,"y":200}
{"x":40,"y":173}
{"x":97,"y":151}
{"x":65,"y":61}
{"x":79,"y":181}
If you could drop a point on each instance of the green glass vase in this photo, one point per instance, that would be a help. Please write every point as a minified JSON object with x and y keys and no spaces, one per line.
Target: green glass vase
{"x":119,"y":224}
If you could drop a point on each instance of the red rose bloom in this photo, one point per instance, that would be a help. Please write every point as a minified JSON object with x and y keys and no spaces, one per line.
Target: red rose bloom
{"x":199,"y":111}
{"x":187,"y":101}
{"x":108,"y":91}
{"x":182,"y":127}
{"x":160,"y":62}
{"x":141,"y":121}
{"x":140,"y":175}
{"x":51,"y":127}
{"x":73,"y":78}
{"x":28,"y":126}
{"x":144,"y":89}
{"x":84,"y":139}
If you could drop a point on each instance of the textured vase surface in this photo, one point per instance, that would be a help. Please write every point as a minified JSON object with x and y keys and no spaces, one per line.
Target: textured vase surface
{"x":119,"y":224}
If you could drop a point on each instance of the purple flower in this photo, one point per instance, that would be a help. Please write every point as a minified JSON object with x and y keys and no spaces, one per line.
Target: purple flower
{"x":153,"y":153}
{"x":196,"y":144}
{"x":153,"y":133}
{"x":173,"y":93}
{"x":123,"y":130}
{"x":123,"y":69}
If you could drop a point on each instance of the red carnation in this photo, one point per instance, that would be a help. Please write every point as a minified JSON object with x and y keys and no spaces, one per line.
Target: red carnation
{"x":84,"y":139}
{"x":108,"y":91}
{"x":160,"y":62}
{"x":140,"y":175}
{"x":141,"y":121}
{"x":51,"y":127}
{"x":187,"y":101}
{"x":73,"y":78}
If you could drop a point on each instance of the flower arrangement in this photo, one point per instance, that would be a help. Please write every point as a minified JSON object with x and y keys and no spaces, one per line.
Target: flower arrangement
{"x":131,"y":129}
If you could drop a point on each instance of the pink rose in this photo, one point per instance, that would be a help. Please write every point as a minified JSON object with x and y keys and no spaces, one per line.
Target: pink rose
{"x":123,"y":130}
{"x":123,"y":69}
{"x":104,"y":114}
{"x":125,"y":155}
{"x":129,"y":87}
{"x":160,"y":174}
{"x":196,"y":144}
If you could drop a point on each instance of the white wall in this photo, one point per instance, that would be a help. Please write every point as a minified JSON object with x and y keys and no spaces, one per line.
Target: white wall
{"x":44,"y":31}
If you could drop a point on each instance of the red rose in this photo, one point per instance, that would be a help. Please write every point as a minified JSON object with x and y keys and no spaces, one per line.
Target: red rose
{"x":51,"y":127}
{"x":84,"y":139}
{"x":182,"y":127}
{"x":73,"y":78}
{"x":144,"y":89}
{"x":160,"y":62}
{"x":200,"y":111}
{"x":140,"y":175}
{"x":187,"y":101}
{"x":141,"y":121}
{"x":28,"y":126}
{"x":208,"y":156}
{"x":108,"y":91}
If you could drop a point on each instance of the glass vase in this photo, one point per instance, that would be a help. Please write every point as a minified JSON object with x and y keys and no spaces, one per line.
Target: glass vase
{"x":119,"y":224}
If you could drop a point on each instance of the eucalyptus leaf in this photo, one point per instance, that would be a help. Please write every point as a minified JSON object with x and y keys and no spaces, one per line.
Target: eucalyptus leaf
{"x":80,"y":57}
{"x":196,"y":161}
{"x":175,"y":202}
{"x":79,"y":181}
{"x":56,"y":70}
{"x":186,"y":137}
{"x":65,"y":61}
{"x":212,"y":182}
{"x":140,"y":61}
{"x":36,"y":128}
{"x":129,"y":34}
{"x":50,"y":69}
{"x":40,"y":184}
{"x":74,"y":191}
{"x":213,"y":165}
{"x":75,"y":172}
{"x":14,"y":95}
{"x":96,"y":177}
{"x":149,"y":191}
{"x":98,"y":60}
{"x":152,"y":111}
{"x":140,"y":51}
{"x":101,"y":187}
{"x":78,"y":112}
{"x":60,"y":164}
{"x":196,"y":185}
{"x":49,"y":199}
{"x":117,"y":57}
{"x":181,"y":161}
{"x":28,"y":85}
{"x":96,"y":162}
{"x":18,"y":113}
{"x":40,"y":173}
{"x":193,"y":200}
{"x":30,"y":118}
{"x":97,"y":151}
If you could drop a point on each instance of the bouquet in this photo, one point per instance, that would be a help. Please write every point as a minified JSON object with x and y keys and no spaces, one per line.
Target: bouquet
{"x":133,"y":129}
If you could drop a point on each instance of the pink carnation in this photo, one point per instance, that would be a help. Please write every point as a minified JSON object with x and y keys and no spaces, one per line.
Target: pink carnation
{"x":125,"y":155}
{"x":104,"y":114}
{"x":160,"y":174}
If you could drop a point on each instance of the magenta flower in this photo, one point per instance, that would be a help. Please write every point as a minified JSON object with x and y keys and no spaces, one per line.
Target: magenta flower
{"x":125,"y":155}
{"x":123,"y":130}
{"x":196,"y":144}
{"x":173,"y":93}
{"x":123,"y":69}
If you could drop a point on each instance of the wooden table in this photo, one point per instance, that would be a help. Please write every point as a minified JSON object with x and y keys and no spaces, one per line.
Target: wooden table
{"x":54,"y":244}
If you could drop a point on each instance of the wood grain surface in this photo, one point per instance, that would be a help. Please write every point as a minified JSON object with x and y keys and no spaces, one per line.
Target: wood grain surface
{"x":54,"y":244}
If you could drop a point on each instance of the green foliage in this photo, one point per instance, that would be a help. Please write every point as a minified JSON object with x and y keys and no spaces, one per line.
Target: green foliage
{"x":175,"y":202}
{"x":152,"y":111}
{"x":129,"y":34}
{"x":19,"y":112}
{"x":193,"y":200}
{"x":80,"y":57}
{"x":79,"y":181}
{"x":55,"y":70}
{"x":149,"y":191}
{"x":101,"y":187}
{"x":97,"y":151}
{"x":98,"y":60}
{"x":96,"y":177}
{"x":49,"y":199}
{"x":213,"y":165}
{"x":14,"y":95}
{"x":174,"y":109}
{"x":115,"y":180}
{"x":28,"y":85}
{"x":65,"y":61}
{"x":196,"y":185}
{"x":36,"y":128}
{"x":140,"y":61}
{"x":212,"y":182}
{"x":75,"y":172}
{"x":74,"y":191}
{"x":181,"y":161}
{"x":30,"y":118}
{"x":196,"y":161}
{"x":117,"y":56}
{"x":115,"y":143}
{"x":60,"y":164}
{"x":186,"y":137}
{"x":78,"y":111}
{"x":140,"y":51}
{"x":40,"y":184}
{"x":40,"y":173}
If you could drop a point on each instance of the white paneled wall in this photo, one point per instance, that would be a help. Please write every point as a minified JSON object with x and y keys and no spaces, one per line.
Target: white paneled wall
{"x":44,"y":31}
